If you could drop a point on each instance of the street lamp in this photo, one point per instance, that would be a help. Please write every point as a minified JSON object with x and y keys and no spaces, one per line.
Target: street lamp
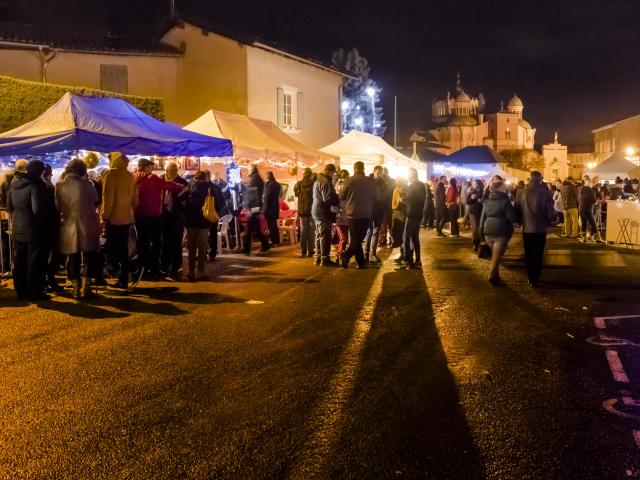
{"x":630,"y":151}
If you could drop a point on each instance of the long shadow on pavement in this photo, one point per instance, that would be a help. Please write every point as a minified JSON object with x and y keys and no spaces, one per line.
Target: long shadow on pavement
{"x":405,"y":419}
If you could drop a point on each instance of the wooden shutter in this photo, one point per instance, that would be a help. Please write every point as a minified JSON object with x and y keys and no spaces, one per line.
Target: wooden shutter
{"x":280,"y":102}
{"x":300,"y":111}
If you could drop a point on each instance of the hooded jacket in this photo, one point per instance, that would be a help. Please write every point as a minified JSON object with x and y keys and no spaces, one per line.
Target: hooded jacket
{"x":324,"y":197}
{"x":76,"y":198}
{"x":30,"y":208}
{"x":119,"y":194}
{"x":416,"y":195}
{"x":361,"y":196}
{"x":536,"y":206}
{"x":498,"y":216}
{"x":304,"y":191}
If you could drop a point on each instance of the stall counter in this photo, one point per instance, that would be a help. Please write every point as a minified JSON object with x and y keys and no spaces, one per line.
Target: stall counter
{"x":617,"y":209}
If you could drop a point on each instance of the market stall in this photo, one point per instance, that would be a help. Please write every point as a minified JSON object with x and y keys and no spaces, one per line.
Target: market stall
{"x":478,"y":162}
{"x":372,"y":150}
{"x":623,"y":222}
{"x":103,"y":124}
{"x":614,"y":166}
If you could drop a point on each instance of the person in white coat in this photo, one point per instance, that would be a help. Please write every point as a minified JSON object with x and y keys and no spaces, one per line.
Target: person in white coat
{"x":77,"y":201}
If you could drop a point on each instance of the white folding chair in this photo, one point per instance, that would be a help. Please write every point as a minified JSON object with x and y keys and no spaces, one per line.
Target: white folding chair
{"x":223,"y":232}
{"x":288,"y":228}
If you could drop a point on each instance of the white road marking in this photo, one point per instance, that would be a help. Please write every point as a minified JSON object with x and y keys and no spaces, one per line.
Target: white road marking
{"x":617,"y":370}
{"x":326,"y":422}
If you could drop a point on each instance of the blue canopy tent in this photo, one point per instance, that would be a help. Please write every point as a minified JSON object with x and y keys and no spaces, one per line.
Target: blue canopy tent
{"x":104,"y":124}
{"x":470,"y":162}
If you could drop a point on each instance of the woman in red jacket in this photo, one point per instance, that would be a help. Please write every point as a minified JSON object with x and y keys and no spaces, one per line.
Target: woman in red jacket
{"x":453,"y":205}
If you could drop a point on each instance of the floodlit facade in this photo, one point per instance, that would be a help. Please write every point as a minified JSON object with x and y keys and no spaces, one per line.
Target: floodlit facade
{"x":459,"y":121}
{"x":621,"y":137}
{"x":192,"y":69}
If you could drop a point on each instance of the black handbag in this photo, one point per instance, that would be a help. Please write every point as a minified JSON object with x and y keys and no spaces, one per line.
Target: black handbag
{"x":484,"y":251}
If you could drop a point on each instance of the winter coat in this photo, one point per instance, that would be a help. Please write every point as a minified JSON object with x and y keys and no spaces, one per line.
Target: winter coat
{"x":76,"y":198}
{"x":361,"y":196}
{"x":535,"y":205}
{"x":193,"y":200}
{"x":253,"y":192}
{"x":586,"y":198}
{"x":30,"y":209}
{"x":304,"y":191}
{"x":416,"y":195}
{"x":119,"y":195}
{"x":271,"y":202}
{"x":429,"y":207}
{"x":52,"y":221}
{"x":441,"y":196}
{"x":474,"y":201}
{"x":452,"y":196}
{"x":380,"y":208}
{"x":498,"y":216}
{"x":5,"y":189}
{"x":569,"y":196}
{"x":170,"y":203}
{"x":324,"y":197}
{"x":150,"y":194}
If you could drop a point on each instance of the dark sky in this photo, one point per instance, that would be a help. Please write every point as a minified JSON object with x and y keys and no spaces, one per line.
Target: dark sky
{"x":575,"y":64}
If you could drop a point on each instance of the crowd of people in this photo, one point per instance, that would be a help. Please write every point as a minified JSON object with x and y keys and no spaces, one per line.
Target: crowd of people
{"x":64,"y":223}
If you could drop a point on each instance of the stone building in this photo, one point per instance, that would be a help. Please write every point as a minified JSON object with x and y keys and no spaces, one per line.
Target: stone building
{"x":622,"y":137}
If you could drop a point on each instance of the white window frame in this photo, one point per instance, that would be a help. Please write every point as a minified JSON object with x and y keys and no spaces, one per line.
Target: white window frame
{"x":290,"y":119}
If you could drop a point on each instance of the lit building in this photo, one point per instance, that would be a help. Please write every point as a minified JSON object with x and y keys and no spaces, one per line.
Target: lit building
{"x":459,"y":121}
{"x":193,"y":68}
{"x":622,"y":137}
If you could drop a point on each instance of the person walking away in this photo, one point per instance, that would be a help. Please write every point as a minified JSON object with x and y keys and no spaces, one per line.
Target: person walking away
{"x":28,"y":204}
{"x":586,"y":201}
{"x":416,"y":195}
{"x":325,"y":199}
{"x":148,"y":215}
{"x":252,"y":202}
{"x":52,"y":229}
{"x":221,"y":209}
{"x":342,"y":226}
{"x":198,"y":226}
{"x":453,"y":205}
{"x":496,"y":226}
{"x":464,"y":188}
{"x":77,"y":200}
{"x":371,"y":239}
{"x":442,"y":214}
{"x":271,"y":207}
{"x":172,"y":224}
{"x":569,"y":195}
{"x":360,"y":196}
{"x":399,"y":215}
{"x":303,"y":190}
{"x":536,"y":212}
{"x":474,"y":205}
{"x":428,"y":214}
{"x":556,"y":191}
{"x":119,"y":200}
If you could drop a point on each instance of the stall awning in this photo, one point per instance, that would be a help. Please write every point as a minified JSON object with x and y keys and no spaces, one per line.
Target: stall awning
{"x":474,"y":155}
{"x":614,"y":166}
{"x":78,"y":122}
{"x":255,"y":139}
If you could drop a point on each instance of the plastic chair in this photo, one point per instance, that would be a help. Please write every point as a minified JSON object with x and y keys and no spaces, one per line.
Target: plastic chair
{"x":223,"y":232}
{"x":288,"y":228}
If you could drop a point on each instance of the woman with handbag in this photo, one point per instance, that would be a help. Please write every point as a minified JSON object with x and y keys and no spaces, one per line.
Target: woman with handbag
{"x":496,"y":226}
{"x":195,"y":197}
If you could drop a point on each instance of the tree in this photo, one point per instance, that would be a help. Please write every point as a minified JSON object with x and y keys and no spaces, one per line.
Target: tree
{"x":360,"y":95}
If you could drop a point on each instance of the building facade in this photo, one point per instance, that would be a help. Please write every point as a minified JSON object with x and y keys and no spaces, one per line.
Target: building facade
{"x":622,"y":137}
{"x":193,"y":69}
{"x":460,"y":121}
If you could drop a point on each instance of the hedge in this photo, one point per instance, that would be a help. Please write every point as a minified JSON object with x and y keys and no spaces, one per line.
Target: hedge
{"x":21,"y":101}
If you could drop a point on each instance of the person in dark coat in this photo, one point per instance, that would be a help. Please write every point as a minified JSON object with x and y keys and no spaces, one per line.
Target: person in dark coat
{"x":271,"y":207}
{"x":221,"y":207}
{"x":586,"y":201}
{"x":53,"y":227}
{"x":496,"y":226}
{"x":442,"y":214}
{"x":378,"y":217}
{"x":172,"y":224}
{"x":474,"y":205}
{"x":535,"y":206}
{"x":303,"y":190}
{"x":30,"y":211}
{"x":198,"y":226}
{"x":415,"y":199}
{"x":252,"y":202}
{"x":325,"y":201}
{"x":429,"y":211}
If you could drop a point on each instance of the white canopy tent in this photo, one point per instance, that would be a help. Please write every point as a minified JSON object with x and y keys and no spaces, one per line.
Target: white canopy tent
{"x":614,"y":166}
{"x":372,"y":150}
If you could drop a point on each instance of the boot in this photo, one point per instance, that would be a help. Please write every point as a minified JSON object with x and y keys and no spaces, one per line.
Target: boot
{"x":75,"y":287}
{"x":86,"y":289}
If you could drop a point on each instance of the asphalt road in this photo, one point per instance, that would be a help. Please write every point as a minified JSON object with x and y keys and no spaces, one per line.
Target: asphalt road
{"x":276,"y":369}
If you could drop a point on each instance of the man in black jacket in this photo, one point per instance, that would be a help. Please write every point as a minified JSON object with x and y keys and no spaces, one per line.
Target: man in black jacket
{"x":442,"y":214}
{"x":271,"y":207}
{"x":30,"y":211}
{"x":253,"y":204}
{"x":172,"y":224}
{"x":416,"y":194}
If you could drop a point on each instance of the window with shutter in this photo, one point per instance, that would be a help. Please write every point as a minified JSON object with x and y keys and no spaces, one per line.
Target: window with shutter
{"x":114,"y":78}
{"x":300,"y":110}
{"x":289,"y":108}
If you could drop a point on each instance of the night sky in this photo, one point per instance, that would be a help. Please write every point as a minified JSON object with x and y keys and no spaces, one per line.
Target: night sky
{"x":575,"y":64}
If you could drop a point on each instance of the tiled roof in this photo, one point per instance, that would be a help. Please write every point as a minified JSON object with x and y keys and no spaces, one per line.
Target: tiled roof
{"x":30,"y":35}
